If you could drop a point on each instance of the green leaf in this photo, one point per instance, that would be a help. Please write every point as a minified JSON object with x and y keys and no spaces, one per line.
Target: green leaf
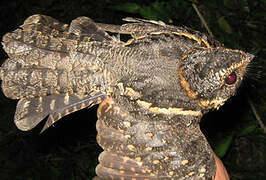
{"x":251,"y":128}
{"x":148,"y":13}
{"x":127,"y":7}
{"x":156,"y":11}
{"x":224,"y":25}
{"x":222,"y":146}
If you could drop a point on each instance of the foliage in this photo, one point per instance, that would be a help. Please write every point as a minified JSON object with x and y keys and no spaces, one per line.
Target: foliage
{"x":157,"y":10}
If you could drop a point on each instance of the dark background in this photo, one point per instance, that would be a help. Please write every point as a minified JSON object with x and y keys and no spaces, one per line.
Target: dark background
{"x":69,"y":149}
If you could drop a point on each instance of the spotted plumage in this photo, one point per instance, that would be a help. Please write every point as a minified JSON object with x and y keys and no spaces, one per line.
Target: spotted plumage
{"x":153,"y":89}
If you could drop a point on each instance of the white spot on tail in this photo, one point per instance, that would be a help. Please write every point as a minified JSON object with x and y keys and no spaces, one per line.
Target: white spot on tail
{"x":66,"y":99}
{"x":52,"y":104}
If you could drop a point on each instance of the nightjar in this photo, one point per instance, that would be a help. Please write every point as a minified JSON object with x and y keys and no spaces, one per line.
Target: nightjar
{"x":153,"y":89}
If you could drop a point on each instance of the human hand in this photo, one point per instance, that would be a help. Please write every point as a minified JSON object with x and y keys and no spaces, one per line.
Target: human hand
{"x":221,"y":173}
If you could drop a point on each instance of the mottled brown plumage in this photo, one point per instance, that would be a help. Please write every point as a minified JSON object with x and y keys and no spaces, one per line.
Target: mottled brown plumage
{"x":153,"y":89}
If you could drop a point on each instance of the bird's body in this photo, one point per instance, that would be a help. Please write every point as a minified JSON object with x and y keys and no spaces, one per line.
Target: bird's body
{"x":153,"y":89}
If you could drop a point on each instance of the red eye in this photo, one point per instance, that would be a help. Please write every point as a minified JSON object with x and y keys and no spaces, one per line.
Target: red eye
{"x":231,"y":79}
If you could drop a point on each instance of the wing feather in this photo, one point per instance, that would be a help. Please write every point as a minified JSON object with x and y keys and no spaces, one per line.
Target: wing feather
{"x":84,"y":26}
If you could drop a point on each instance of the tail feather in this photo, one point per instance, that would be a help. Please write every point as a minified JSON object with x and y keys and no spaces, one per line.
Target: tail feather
{"x":37,"y":82}
{"x":31,"y":112}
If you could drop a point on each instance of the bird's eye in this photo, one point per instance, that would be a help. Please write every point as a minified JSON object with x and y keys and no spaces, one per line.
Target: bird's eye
{"x":231,"y":79}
